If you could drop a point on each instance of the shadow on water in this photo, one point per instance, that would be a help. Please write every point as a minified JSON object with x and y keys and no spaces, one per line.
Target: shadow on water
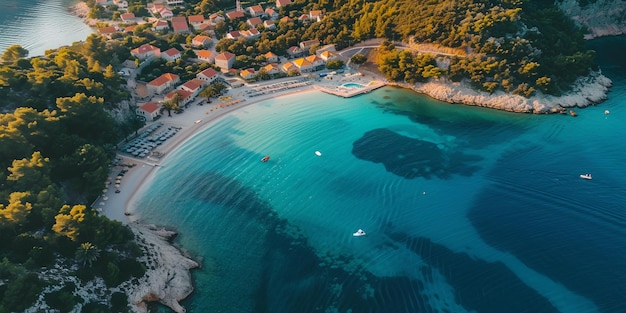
{"x":478,"y":285}
{"x":294,"y":277}
{"x":412,"y":158}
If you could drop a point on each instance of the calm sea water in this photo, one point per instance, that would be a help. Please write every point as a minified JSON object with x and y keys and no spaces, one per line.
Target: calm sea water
{"x":39,"y":25}
{"x":466,"y":209}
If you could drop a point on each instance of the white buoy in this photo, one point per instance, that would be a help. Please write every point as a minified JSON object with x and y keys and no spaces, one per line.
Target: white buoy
{"x":607,"y":112}
{"x":318,"y":153}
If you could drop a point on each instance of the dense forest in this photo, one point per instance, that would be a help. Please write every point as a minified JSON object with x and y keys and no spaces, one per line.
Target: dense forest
{"x":57,"y":140}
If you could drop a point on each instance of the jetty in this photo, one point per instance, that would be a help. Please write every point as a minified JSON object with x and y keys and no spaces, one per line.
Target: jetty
{"x":348,"y":90}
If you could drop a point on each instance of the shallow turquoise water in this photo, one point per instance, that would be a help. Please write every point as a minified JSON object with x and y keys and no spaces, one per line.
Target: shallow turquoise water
{"x":465,"y":209}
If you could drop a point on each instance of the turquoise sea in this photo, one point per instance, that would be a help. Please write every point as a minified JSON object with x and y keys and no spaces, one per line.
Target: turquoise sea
{"x":466,"y":209}
{"x":39,"y":25}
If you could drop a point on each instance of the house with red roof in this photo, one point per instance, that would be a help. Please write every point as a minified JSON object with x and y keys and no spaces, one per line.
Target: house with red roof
{"x":255,"y":10}
{"x":130,"y":28}
{"x":254,"y":22}
{"x":248,"y":73}
{"x":307,"y":44}
{"x":234,"y":35}
{"x":146,"y":51}
{"x":316,"y":15}
{"x":195,"y":20}
{"x":208,"y":76}
{"x":271,"y":14}
{"x":216,"y":18}
{"x":149,"y":111}
{"x":166,"y":13}
{"x":270,"y":57}
{"x":327,"y":56}
{"x":171,"y":55}
{"x":283,"y":3}
{"x":234,"y":15}
{"x":127,"y":17}
{"x":107,"y":31}
{"x":271,"y":68}
{"x":269,"y":24}
{"x":201,"y":41}
{"x":179,"y":25}
{"x":295,"y":51}
{"x":225,"y":60}
{"x":250,"y":34}
{"x":317,"y":62}
{"x":162,"y":83}
{"x":205,"y":56}
{"x":285,"y":19}
{"x":194,"y":86}
{"x":288,"y":67}
{"x":185,"y":96}
{"x":303,"y":65}
{"x":160,"y":25}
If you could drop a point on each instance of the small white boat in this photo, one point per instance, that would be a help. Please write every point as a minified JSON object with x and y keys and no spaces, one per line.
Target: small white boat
{"x":607,"y":112}
{"x":585,"y":176}
{"x":359,"y":233}
{"x":318,"y":153}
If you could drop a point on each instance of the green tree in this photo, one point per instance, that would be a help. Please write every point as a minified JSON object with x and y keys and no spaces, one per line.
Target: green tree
{"x":14,"y":53}
{"x":87,"y":253}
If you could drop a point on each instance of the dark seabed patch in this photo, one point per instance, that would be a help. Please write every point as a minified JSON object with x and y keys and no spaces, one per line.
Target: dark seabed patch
{"x":479,"y":286}
{"x":293,"y":277}
{"x":412,"y":158}
{"x":570,"y":231}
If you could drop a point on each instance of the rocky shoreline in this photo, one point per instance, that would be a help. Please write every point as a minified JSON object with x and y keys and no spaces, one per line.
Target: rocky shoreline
{"x":601,"y":18}
{"x":168,"y":278}
{"x":586,"y":91}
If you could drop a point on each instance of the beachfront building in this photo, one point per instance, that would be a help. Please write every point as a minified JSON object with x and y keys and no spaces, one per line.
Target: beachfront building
{"x":269,"y":24}
{"x":149,"y":111}
{"x":225,"y":61}
{"x":270,"y":57}
{"x":201,"y":41}
{"x":184,"y":96}
{"x":194,"y":86}
{"x":171,"y":55}
{"x":179,"y":24}
{"x":254,"y":22}
{"x":271,"y":68}
{"x":162,"y":83}
{"x":283,"y":3}
{"x":160,"y":25}
{"x":287,"y":67}
{"x":316,"y":62}
{"x":271,"y":14}
{"x":127,"y":17}
{"x":146,"y":51}
{"x":208,"y":76}
{"x":255,"y":10}
{"x":248,"y":73}
{"x":205,"y":56}
{"x":303,"y":65}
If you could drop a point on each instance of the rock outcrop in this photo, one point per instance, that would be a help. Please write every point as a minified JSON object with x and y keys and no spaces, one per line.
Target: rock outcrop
{"x":602,"y":17}
{"x":167,"y":279}
{"x":586,"y":91}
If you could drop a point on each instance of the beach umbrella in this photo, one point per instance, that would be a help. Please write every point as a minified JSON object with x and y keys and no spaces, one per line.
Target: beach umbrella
{"x":106,"y":183}
{"x":117,"y":185}
{"x":101,"y":202}
{"x":105,"y":198}
{"x":105,"y":190}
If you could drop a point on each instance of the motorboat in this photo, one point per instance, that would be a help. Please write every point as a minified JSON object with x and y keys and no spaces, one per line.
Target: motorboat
{"x":359,"y":233}
{"x":318,"y":153}
{"x":585,"y":176}
{"x":265,"y":158}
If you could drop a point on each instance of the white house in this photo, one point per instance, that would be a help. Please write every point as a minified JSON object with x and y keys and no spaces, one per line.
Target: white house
{"x":205,"y":56}
{"x":255,"y":10}
{"x":146,"y":51}
{"x":127,"y":17}
{"x":160,"y":25}
{"x":209,"y":75}
{"x":270,"y":57}
{"x":254,"y":22}
{"x":271,"y":14}
{"x":171,"y":55}
{"x":225,"y":60}
{"x":201,"y":41}
{"x":250,"y":34}
{"x":269,"y":24}
{"x":271,"y":68}
{"x":194,"y":86}
{"x":282,"y":3}
{"x":185,"y":96}
{"x":195,"y":20}
{"x":161,"y":83}
{"x":149,"y":111}
{"x":247,"y":73}
{"x":175,"y":2}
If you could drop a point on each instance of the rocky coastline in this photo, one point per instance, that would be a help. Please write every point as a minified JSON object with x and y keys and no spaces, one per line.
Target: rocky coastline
{"x":168,"y":278}
{"x":586,"y":91}
{"x":601,"y":18}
